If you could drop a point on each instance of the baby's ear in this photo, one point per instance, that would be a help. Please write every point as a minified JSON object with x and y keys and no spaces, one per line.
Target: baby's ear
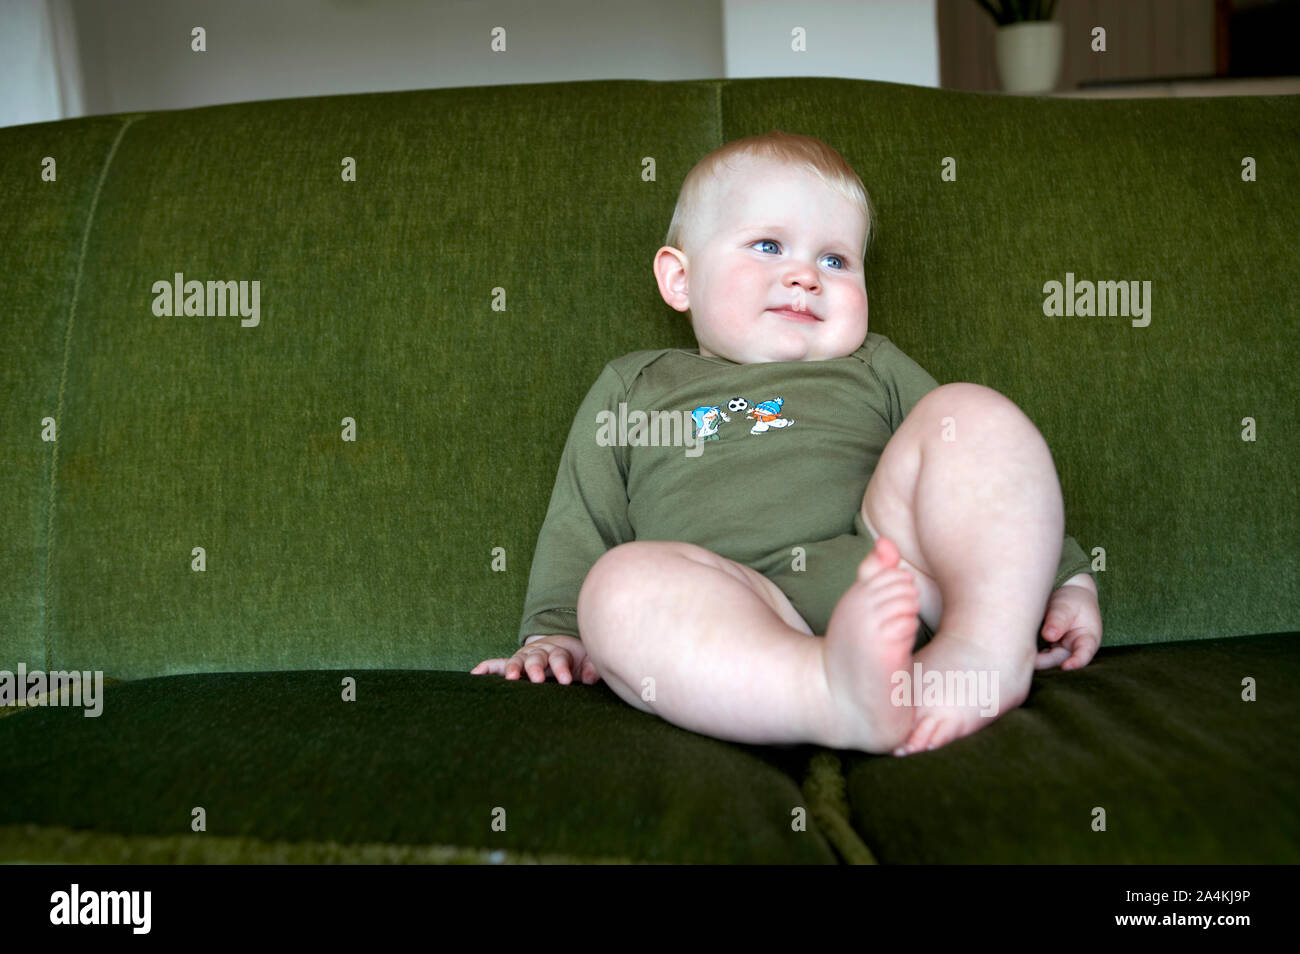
{"x":670,"y":273}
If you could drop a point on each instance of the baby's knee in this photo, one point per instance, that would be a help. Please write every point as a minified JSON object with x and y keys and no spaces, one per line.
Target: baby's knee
{"x":628,"y":563}
{"x":619,"y":574}
{"x":965,"y":399}
{"x":609,"y":574}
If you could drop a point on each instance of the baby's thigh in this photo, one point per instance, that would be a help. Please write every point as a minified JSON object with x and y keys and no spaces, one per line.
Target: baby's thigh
{"x":763,"y":588}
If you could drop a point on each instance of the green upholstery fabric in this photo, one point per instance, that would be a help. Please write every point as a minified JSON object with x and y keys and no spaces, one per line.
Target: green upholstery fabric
{"x":376,"y":556}
{"x":44,"y":227}
{"x":376,"y":304}
{"x":1157,"y":736}
{"x":420,"y":761}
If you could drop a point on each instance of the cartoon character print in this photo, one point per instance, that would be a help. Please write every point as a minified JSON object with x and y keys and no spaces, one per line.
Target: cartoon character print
{"x":706,"y":422}
{"x":766,"y":415}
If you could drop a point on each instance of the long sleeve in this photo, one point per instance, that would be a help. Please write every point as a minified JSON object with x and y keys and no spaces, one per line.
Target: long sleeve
{"x":1073,"y":561}
{"x":587,"y":515}
{"x":906,"y":382}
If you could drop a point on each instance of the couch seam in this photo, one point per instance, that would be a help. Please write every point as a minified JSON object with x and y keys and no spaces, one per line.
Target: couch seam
{"x":824,"y":788}
{"x":63,"y":377}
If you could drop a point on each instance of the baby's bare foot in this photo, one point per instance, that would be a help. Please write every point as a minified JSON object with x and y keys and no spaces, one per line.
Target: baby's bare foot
{"x":975,"y":681}
{"x":868,"y":639}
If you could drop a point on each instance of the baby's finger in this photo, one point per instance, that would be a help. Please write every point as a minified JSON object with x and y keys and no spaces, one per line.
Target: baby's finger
{"x":517,"y":663}
{"x":1051,"y":657}
{"x":1056,"y":625}
{"x":1085,"y":647}
{"x":561,"y":664}
{"x":535,"y":666}
{"x":489,"y":667}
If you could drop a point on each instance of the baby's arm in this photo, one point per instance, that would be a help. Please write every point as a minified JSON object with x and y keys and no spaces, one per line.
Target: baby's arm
{"x":586,"y":517}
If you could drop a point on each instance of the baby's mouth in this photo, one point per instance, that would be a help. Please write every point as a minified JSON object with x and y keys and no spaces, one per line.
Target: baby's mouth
{"x":790,"y":314}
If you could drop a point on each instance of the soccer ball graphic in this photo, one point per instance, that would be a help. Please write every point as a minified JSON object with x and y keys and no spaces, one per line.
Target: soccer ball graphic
{"x":736,"y":405}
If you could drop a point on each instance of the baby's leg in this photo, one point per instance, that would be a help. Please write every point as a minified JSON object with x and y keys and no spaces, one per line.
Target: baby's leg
{"x":967,"y":489}
{"x":715,"y":647}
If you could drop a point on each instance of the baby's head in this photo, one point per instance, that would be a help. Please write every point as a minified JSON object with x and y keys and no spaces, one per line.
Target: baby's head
{"x":770,"y":222}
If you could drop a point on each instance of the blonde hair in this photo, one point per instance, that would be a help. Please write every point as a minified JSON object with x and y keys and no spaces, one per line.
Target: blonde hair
{"x":802,"y":153}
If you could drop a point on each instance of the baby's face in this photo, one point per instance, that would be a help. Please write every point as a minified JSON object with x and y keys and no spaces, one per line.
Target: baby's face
{"x":779,"y":239}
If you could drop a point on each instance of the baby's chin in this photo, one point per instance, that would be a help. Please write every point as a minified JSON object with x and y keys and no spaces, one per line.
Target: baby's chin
{"x":772,"y":355}
{"x":778,"y":344}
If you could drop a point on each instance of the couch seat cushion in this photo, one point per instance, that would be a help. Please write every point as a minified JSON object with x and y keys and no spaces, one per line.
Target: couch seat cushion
{"x":1157,"y":736}
{"x":412,"y":770}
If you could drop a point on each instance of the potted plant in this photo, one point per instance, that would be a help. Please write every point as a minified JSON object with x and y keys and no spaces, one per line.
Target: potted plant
{"x":1029,"y":44}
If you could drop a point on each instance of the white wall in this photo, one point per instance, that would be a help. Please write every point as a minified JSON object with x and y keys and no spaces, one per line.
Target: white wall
{"x":66,"y":58}
{"x":137,"y":53}
{"x":29,"y":79}
{"x":892,"y":40}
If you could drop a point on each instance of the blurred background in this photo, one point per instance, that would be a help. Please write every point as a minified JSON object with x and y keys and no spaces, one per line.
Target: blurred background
{"x":69,"y":58}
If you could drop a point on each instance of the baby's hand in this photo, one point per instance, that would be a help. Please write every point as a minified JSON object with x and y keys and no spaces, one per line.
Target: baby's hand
{"x":559,"y":654}
{"x":1073,"y":621}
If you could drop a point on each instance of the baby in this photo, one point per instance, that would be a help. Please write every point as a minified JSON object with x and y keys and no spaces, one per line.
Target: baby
{"x":847,"y":554}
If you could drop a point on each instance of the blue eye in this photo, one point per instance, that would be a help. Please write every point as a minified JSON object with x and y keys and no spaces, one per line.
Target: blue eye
{"x":839,"y":268}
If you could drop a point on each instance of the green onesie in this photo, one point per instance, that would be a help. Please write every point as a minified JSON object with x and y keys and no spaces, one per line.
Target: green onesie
{"x":765,"y":464}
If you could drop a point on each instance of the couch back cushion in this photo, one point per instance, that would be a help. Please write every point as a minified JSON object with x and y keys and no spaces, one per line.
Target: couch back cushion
{"x":204,"y":509}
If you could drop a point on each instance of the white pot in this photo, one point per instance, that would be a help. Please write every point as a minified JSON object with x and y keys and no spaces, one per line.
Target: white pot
{"x":1029,"y":56}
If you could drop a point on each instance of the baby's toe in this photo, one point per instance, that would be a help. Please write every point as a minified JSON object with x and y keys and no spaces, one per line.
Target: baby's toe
{"x":919,"y":738}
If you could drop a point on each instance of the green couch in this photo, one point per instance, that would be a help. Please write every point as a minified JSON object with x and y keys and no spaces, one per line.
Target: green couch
{"x":448,"y":310}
